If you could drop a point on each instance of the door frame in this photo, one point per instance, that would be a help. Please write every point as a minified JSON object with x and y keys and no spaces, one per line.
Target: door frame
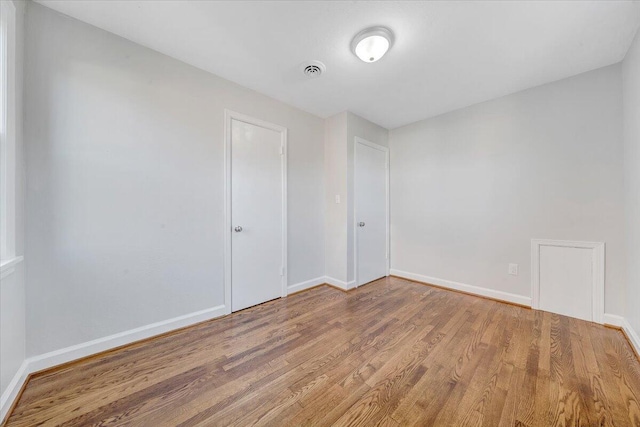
{"x":230,"y":115}
{"x":597,"y":272}
{"x":362,"y":141}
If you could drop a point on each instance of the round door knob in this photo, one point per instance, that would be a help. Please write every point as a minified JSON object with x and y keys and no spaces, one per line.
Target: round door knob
{"x":238,"y":229}
{"x":361,"y":224}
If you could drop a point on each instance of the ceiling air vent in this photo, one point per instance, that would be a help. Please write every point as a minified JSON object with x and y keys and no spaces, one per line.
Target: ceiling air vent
{"x":313,"y":69}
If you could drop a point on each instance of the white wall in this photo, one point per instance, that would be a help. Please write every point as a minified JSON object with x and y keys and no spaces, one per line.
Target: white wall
{"x":469,"y":189}
{"x":362,"y":128}
{"x":340,"y":133}
{"x":335,"y":169}
{"x":12,"y":287}
{"x":631,"y":96}
{"x":12,"y":325}
{"x":125,"y":183}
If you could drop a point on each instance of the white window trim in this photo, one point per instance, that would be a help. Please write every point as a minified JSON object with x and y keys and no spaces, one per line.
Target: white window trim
{"x":8,"y":258}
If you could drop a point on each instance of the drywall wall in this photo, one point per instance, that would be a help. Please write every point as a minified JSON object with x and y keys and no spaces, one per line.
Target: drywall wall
{"x":125,"y":195}
{"x":12,"y":286}
{"x":335,"y":170}
{"x":361,"y":128}
{"x":12,"y":325}
{"x":471,"y":188}
{"x":631,"y":102}
{"x":340,"y":133}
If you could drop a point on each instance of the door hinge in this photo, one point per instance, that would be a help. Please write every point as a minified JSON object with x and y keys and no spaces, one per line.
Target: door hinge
{"x":282,"y":150}
{"x":282,"y":271}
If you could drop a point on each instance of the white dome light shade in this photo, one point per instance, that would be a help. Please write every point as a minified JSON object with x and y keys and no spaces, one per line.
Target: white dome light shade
{"x":371,"y":44}
{"x":372,"y":48}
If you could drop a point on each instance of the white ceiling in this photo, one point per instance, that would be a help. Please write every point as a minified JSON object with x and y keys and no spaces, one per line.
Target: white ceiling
{"x":447,"y":55}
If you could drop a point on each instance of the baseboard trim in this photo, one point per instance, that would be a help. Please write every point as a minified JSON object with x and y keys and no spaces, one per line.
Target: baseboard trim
{"x":613,"y":320}
{"x":58,"y":358}
{"x":463,"y":287}
{"x":345,"y":286}
{"x":89,"y":348}
{"x":75,"y":353}
{"x":11,"y":395}
{"x":632,"y":337}
{"x":303,"y":286}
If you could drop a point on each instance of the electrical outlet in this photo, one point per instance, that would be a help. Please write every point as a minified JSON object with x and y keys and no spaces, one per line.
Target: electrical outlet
{"x":513,"y":269}
{"x":337,"y":199}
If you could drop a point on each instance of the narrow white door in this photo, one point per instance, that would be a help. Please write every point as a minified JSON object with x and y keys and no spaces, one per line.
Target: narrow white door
{"x":257,"y":264}
{"x":566,"y":281}
{"x":370,"y":179}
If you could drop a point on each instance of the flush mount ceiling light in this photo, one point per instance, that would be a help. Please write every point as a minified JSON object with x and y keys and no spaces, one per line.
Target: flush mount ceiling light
{"x":371,"y":44}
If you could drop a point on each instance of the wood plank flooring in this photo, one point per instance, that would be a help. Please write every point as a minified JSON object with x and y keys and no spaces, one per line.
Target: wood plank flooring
{"x":391,"y":353}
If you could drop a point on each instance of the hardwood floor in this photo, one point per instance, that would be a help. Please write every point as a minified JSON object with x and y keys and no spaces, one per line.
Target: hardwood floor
{"x":390,"y":353}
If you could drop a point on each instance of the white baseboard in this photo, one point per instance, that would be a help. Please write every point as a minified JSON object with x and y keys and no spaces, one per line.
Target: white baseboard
{"x":297,"y":287}
{"x":632,"y":334}
{"x":78,"y":351}
{"x":463,"y":287}
{"x":613,"y":320}
{"x":57,"y":357}
{"x":345,"y":286}
{"x":68,"y":354}
{"x":11,"y":393}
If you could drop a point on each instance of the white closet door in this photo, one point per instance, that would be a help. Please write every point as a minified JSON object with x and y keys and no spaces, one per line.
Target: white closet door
{"x":370,"y":178}
{"x":256,"y":214}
